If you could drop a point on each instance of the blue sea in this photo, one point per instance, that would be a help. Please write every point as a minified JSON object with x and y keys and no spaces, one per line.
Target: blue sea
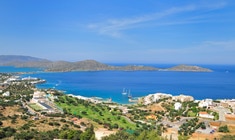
{"x":11,"y":69}
{"x":219,"y":84}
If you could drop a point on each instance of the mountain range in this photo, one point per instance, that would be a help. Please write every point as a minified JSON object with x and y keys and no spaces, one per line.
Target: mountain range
{"x":86,"y":65}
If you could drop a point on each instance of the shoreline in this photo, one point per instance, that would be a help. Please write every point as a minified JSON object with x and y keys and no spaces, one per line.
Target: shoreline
{"x":97,"y":99}
{"x":137,"y":99}
{"x":113,"y":92}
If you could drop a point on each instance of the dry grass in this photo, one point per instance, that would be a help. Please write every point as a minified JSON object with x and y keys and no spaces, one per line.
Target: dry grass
{"x":199,"y":136}
{"x":230,"y":117}
{"x":101,"y":132}
{"x":10,"y":111}
{"x":41,"y":125}
{"x":231,"y":128}
{"x":155,"y":107}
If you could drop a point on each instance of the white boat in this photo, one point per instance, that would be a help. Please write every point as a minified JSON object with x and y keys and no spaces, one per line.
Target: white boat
{"x":124,"y":92}
{"x":129,"y":94}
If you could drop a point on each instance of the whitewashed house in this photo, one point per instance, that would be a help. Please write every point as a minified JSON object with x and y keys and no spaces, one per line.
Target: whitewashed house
{"x":205,"y":115}
{"x":205,"y":103}
{"x":6,"y":94}
{"x":177,"y":105}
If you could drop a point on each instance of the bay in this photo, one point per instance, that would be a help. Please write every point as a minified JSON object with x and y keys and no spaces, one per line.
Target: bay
{"x":12,"y":69}
{"x":219,"y":84}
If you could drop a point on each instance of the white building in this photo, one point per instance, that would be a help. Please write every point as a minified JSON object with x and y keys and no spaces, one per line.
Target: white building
{"x":37,"y":95}
{"x":152,"y":98}
{"x":205,"y":115}
{"x":177,"y":105}
{"x":205,"y":103}
{"x":6,"y":94}
{"x":183,"y":98}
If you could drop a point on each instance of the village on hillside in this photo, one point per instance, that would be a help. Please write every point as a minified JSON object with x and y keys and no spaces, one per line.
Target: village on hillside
{"x":24,"y":108}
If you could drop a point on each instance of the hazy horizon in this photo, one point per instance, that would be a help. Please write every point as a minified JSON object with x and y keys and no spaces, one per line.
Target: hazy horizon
{"x":145,"y":32}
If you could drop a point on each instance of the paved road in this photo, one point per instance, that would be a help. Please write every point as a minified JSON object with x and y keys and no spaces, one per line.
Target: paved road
{"x":222,"y":111}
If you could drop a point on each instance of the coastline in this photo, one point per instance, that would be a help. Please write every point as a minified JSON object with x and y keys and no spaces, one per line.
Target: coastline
{"x":149,"y":98}
{"x":109,"y":84}
{"x":147,"y":101}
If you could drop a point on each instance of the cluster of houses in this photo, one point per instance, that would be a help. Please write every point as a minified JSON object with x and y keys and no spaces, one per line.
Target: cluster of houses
{"x":5,"y":84}
{"x":152,"y":98}
{"x":206,"y":103}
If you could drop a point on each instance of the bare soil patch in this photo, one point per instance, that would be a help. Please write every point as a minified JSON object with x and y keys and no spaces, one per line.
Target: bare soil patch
{"x":156,"y":107}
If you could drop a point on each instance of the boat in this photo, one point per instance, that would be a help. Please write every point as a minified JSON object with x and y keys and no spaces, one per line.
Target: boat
{"x":129,"y":94}
{"x":124,"y":92}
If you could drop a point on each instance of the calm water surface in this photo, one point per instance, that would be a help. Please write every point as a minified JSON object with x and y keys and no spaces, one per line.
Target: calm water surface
{"x":109,"y":84}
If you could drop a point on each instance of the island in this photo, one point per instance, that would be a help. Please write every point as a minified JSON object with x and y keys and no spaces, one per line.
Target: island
{"x":85,"y":65}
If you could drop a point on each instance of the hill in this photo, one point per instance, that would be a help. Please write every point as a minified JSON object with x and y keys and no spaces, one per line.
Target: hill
{"x":86,"y":65}
{"x":23,"y":61}
{"x":189,"y":68}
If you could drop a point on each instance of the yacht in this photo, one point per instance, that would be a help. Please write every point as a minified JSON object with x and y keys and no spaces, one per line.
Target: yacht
{"x":124,"y":92}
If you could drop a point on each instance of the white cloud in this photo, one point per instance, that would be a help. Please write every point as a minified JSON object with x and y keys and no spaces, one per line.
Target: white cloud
{"x":113,"y":27}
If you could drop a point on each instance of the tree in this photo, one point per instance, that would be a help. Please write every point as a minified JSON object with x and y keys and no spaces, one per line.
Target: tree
{"x":2,"y":134}
{"x":120,"y":135}
{"x":224,"y":129}
{"x":183,"y":137}
{"x":228,"y":137}
{"x":148,"y":135}
{"x":89,"y":134}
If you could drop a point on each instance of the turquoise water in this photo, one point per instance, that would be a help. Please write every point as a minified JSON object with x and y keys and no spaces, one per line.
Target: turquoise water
{"x":219,"y":84}
{"x":11,"y":69}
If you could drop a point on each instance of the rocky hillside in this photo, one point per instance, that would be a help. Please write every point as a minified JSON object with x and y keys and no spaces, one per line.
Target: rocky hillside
{"x":86,"y":65}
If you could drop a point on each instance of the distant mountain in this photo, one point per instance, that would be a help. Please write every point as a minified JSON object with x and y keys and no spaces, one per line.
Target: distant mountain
{"x":92,"y":65}
{"x":86,"y":65}
{"x":23,"y":61}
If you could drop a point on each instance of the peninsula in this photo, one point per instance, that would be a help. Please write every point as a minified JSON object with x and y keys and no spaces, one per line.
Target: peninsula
{"x":86,"y":65}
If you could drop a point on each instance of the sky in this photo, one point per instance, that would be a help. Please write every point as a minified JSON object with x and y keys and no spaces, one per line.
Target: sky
{"x":120,"y":31}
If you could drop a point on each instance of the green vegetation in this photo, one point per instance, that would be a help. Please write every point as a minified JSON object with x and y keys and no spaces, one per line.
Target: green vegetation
{"x":183,"y":137}
{"x":191,"y":114}
{"x":228,"y":137}
{"x":88,"y":134}
{"x":224,"y":129}
{"x":35,"y":107}
{"x":144,"y":135}
{"x":100,"y":113}
{"x":138,"y":114}
{"x":189,"y":127}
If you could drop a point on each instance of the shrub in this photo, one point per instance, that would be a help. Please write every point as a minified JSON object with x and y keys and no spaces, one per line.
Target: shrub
{"x":51,"y":123}
{"x":224,"y":129}
{"x":63,"y":120}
